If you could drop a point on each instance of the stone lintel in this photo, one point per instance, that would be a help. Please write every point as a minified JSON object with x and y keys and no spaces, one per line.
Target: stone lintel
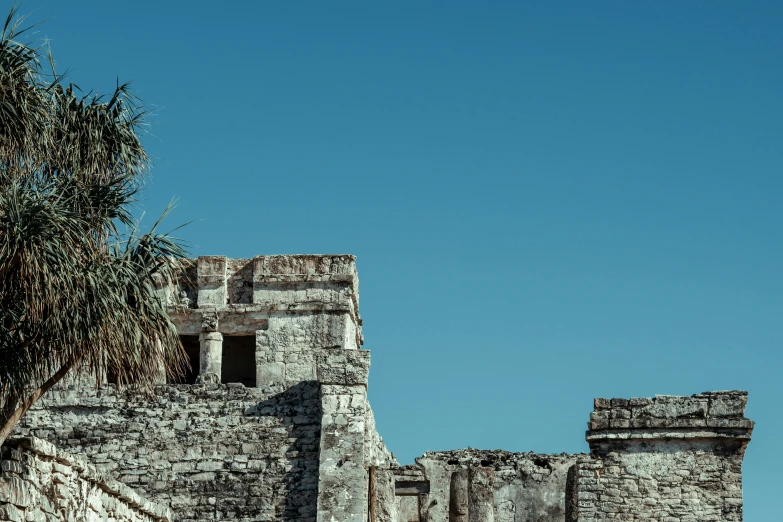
{"x":411,"y":472}
{"x":403,"y":488}
{"x":244,"y":320}
{"x":229,"y":322}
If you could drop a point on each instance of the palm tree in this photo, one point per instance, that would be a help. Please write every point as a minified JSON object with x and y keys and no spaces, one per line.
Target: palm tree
{"x":77,"y":292}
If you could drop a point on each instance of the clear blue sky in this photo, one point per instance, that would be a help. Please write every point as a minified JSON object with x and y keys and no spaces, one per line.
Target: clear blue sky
{"x":549,"y":202}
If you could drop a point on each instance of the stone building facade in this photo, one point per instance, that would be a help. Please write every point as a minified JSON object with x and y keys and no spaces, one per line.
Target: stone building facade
{"x":273,"y":424}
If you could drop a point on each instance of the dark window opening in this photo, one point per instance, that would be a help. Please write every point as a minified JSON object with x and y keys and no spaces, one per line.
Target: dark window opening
{"x":239,"y":360}
{"x":411,"y":487}
{"x":193,"y":350}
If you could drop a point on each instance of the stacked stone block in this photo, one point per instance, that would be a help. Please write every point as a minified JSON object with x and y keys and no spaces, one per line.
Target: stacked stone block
{"x":673,"y":459}
{"x":301,"y":445}
{"x":222,"y":451}
{"x":470,"y":485}
{"x":661,"y":459}
{"x":210,"y":452}
{"x":723,"y":410}
{"x":42,"y":484}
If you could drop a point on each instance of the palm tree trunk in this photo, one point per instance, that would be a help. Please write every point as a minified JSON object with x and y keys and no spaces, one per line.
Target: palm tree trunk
{"x":14,"y":418}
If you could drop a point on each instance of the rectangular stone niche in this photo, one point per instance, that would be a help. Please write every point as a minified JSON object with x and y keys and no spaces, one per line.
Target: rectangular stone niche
{"x":408,"y":497}
{"x":408,"y":509}
{"x":239,"y":359}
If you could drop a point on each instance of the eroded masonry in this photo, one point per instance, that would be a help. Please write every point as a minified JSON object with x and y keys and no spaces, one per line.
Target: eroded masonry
{"x":273,"y":424}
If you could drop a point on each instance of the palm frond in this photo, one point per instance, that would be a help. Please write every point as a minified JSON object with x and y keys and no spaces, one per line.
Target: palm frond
{"x":75,"y":291}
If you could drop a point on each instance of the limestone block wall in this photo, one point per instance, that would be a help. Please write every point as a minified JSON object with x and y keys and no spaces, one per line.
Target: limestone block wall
{"x":291,"y":304}
{"x":228,"y":452}
{"x":288,"y":445}
{"x":210,"y":452}
{"x":43,"y":484}
{"x":667,"y":458}
{"x":474,"y":485}
{"x":273,"y":424}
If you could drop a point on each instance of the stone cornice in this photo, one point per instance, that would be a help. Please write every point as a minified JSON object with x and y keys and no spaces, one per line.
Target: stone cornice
{"x":709,"y":415}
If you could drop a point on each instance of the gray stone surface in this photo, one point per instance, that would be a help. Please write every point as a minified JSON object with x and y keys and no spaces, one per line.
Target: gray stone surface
{"x":341,"y":485}
{"x":302,"y":444}
{"x":525,"y":487}
{"x":382,"y":498}
{"x":42,"y":484}
{"x":667,"y":458}
{"x":481,"y":498}
{"x":229,"y":452}
{"x":211,"y":355}
{"x":458,"y":497}
{"x":210,"y":452}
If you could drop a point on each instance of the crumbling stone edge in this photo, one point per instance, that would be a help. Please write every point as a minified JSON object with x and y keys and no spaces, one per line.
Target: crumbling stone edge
{"x":90,"y":473}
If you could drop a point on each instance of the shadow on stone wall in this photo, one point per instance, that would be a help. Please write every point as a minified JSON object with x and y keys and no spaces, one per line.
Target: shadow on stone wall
{"x":299,"y":409}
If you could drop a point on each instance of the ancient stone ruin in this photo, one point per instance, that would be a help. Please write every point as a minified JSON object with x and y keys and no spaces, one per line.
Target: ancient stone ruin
{"x":273,"y":424}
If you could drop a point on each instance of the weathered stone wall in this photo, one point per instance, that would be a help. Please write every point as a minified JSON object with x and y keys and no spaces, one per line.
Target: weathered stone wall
{"x":376,"y":453}
{"x":672,"y":459}
{"x":298,"y":442}
{"x":43,"y":484}
{"x":229,"y":452}
{"x":376,"y":456}
{"x":668,"y":458}
{"x":467,"y":485}
{"x":292,"y":305}
{"x":210,"y":452}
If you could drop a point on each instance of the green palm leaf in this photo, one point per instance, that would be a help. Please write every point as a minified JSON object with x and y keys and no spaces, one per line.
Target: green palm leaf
{"x":77,"y":293}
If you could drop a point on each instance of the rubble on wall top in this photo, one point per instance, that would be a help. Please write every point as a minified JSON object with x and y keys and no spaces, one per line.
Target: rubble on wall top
{"x":494,"y":458}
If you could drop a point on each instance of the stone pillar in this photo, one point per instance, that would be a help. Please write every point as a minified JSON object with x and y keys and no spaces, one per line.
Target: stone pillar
{"x":458,"y":496}
{"x":341,"y":472}
{"x":481,"y":494}
{"x":211,"y":357}
{"x":341,"y":461}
